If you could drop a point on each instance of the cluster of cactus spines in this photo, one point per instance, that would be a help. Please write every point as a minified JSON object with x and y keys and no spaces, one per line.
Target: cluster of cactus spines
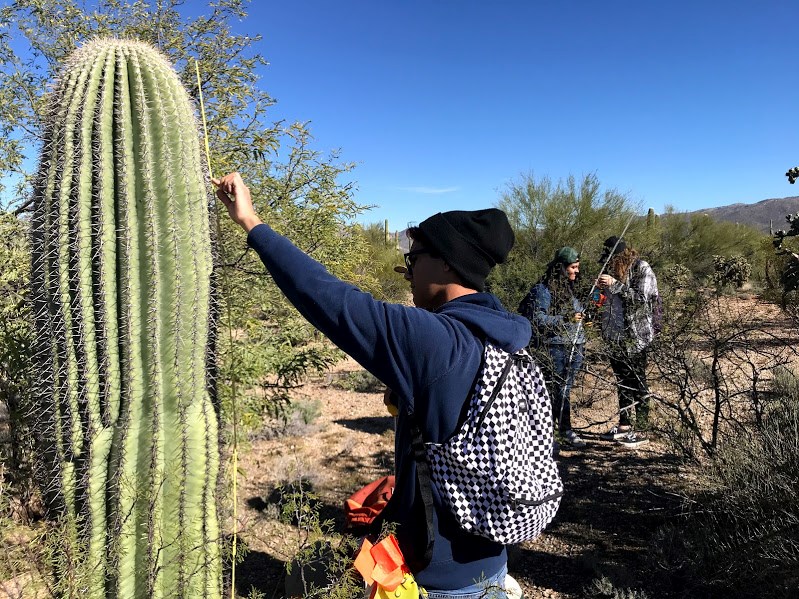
{"x":122,"y":268}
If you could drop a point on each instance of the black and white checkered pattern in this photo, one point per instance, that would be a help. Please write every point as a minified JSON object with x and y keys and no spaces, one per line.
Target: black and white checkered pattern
{"x":497,"y":472}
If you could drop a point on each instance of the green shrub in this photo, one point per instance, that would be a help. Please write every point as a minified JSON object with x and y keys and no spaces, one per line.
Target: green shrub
{"x":265,"y":366}
{"x":322,"y":562}
{"x":546,"y":215}
{"x":359,"y":381}
{"x":693,"y":239}
{"x":16,"y":339}
{"x":385,"y":253}
{"x":604,"y":588}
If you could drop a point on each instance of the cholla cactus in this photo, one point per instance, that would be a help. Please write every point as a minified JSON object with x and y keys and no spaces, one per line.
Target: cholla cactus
{"x":121,"y":281}
{"x":676,"y":276}
{"x":731,"y":270}
{"x":789,"y":278}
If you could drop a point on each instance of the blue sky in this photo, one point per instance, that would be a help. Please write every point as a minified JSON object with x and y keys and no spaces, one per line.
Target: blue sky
{"x":443,"y":103}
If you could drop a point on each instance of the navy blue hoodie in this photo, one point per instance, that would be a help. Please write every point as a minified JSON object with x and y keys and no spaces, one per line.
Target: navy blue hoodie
{"x":430,"y":360}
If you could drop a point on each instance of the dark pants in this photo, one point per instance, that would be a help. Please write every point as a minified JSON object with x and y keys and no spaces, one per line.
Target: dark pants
{"x":559,"y":374}
{"x":630,"y":372}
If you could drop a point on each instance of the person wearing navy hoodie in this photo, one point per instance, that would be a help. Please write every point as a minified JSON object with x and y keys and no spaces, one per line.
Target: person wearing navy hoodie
{"x":429,"y":355}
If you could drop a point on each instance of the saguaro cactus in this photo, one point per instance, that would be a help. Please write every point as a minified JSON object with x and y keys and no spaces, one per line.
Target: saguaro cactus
{"x":121,"y":281}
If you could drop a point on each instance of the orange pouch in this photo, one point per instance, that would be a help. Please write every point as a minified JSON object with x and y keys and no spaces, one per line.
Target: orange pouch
{"x":363,"y":506}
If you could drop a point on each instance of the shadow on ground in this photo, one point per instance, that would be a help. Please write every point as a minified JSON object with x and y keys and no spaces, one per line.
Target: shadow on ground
{"x":261,"y":571}
{"x":368,"y":424}
{"x":615,"y":502}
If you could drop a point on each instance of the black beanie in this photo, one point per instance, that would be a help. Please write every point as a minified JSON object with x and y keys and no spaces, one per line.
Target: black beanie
{"x":472,"y":242}
{"x":614,"y":244}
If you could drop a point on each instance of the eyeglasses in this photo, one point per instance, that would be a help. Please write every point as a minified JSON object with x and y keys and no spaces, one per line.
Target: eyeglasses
{"x":410,"y":258}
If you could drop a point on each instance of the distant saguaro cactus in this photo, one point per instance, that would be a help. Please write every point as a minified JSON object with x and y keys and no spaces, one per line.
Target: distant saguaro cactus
{"x":122,"y":264}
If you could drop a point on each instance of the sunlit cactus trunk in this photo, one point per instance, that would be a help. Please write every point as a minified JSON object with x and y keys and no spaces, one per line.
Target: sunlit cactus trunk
{"x":122,"y":269}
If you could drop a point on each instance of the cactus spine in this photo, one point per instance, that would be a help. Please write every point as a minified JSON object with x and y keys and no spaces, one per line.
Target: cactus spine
{"x":121,"y":278}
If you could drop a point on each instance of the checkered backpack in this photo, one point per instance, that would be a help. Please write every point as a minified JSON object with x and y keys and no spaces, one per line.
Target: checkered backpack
{"x":497,"y":473}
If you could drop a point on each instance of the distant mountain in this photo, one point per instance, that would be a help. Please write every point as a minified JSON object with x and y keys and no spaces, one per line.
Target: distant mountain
{"x":758,"y":215}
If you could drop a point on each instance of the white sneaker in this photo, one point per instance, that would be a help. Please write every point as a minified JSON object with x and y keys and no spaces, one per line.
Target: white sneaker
{"x":616,"y":433}
{"x":512,"y":588}
{"x":633,"y":439}
{"x":573,"y":439}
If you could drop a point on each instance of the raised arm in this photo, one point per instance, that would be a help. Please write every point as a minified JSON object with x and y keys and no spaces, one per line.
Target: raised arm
{"x":389,"y":340}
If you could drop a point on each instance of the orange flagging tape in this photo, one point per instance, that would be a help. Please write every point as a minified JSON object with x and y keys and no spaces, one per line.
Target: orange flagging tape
{"x":382,"y":563}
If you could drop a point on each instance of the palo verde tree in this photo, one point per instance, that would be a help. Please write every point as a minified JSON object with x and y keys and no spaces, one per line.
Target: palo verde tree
{"x":546,"y":216}
{"x":121,"y":285}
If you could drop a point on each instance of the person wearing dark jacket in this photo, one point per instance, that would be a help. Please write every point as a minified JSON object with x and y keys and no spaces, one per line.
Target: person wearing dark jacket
{"x":428,"y":355}
{"x":558,"y":336}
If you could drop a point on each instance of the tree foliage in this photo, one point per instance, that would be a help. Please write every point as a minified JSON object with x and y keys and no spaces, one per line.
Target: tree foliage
{"x":579,"y":213}
{"x":384,"y":254}
{"x":15,"y":349}
{"x":546,"y":216}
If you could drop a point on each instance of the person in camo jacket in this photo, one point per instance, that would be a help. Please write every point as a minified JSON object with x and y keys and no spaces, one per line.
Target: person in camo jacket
{"x":630,"y":287}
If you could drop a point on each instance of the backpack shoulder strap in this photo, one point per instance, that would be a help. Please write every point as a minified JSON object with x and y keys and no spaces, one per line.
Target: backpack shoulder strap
{"x":425,"y":491}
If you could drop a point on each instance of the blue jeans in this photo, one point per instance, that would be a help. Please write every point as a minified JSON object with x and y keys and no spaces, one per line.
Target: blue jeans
{"x":560,"y":375}
{"x":487,"y":588}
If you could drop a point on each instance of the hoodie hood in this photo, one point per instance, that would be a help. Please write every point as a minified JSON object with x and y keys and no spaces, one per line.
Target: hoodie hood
{"x":487,"y":318}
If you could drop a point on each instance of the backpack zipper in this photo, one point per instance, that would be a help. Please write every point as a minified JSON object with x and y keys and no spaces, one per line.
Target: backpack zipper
{"x":516,"y":502}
